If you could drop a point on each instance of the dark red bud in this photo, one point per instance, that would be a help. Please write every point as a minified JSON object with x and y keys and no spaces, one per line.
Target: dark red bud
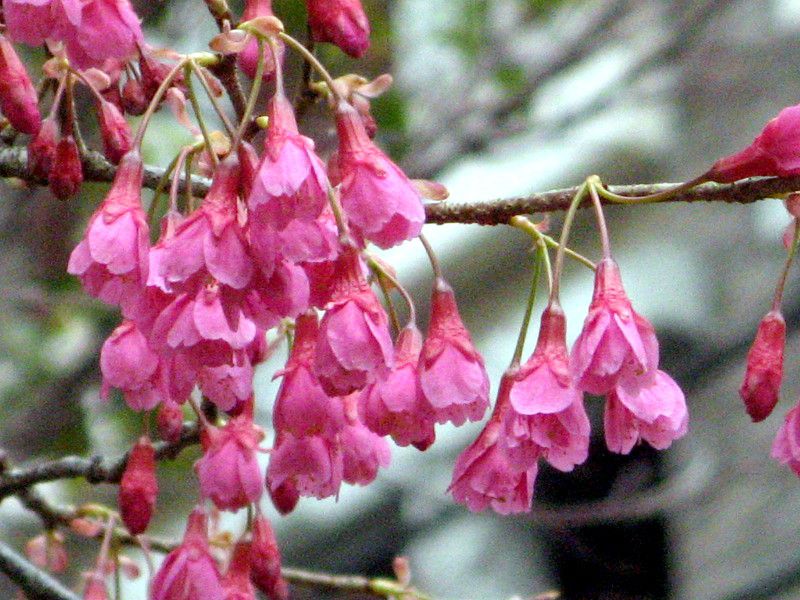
{"x":66,"y":174}
{"x":761,"y":387}
{"x":134,"y":100}
{"x":265,"y":561}
{"x":42,"y":149}
{"x":18,"y":100}
{"x":115,"y":131}
{"x":139,"y":487}
{"x":170,"y":421}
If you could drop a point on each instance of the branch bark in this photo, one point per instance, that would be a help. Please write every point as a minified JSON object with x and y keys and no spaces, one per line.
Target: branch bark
{"x":13,"y":163}
{"x":30,"y":579}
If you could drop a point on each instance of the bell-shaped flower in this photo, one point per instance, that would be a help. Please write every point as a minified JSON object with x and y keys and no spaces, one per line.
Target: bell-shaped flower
{"x":615,"y":340}
{"x":650,"y":407}
{"x":395,"y":405}
{"x":381,"y":203}
{"x":247,"y":59}
{"x":265,"y":561}
{"x":189,"y":572}
{"x":228,"y":385}
{"x":236,"y":582}
{"x":112,"y":258}
{"x":363,"y":451}
{"x":451,"y":371}
{"x":128,"y":363}
{"x":786,"y":447}
{"x":353,"y":346}
{"x":306,"y":466}
{"x":19,"y":102}
{"x":761,"y":387}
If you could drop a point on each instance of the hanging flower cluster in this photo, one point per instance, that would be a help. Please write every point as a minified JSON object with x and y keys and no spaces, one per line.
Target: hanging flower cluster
{"x":281,"y":247}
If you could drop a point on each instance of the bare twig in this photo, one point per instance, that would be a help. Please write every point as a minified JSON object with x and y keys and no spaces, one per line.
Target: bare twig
{"x":30,"y":579}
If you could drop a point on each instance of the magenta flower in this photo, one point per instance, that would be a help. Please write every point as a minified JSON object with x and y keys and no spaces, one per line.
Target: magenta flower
{"x":650,"y":408}
{"x":363,"y":451}
{"x":128,"y":363}
{"x":42,"y":148}
{"x":561,"y":438}
{"x":307,"y":466}
{"x":451,"y":372}
{"x":18,"y":100}
{"x":353,"y":346}
{"x":395,"y":405}
{"x":381,"y":203}
{"x":236,"y":582}
{"x":115,"y":132}
{"x":291,"y":182}
{"x":761,"y":387}
{"x":340,"y":22}
{"x":228,"y":385}
{"x":485,"y":478}
{"x":776,"y":152}
{"x":138,"y":488}
{"x":302,"y":408}
{"x":189,"y":572}
{"x":615,"y":340}
{"x":228,"y":471}
{"x":786,"y":447}
{"x":169,"y":421}
{"x":66,"y":172}
{"x":92,"y":30}
{"x":265,"y":561}
{"x":247,"y":59}
{"x":112,"y":258}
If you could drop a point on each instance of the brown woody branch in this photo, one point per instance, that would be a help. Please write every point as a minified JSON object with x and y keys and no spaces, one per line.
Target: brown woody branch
{"x":13,"y":163}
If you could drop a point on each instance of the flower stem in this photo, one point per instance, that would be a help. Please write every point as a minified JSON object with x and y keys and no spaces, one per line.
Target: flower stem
{"x":437,"y":268}
{"x":778,"y":297}
{"x":214,"y":102}
{"x":148,"y":114}
{"x":601,"y":218}
{"x":314,"y":62}
{"x":658,"y":197}
{"x":187,"y":74}
{"x":383,"y":273}
{"x":254,"y":91}
{"x":525,"y":224}
{"x":562,"y":243}
{"x":526,"y":319}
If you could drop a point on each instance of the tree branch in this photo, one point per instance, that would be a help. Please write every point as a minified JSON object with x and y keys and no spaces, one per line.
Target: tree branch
{"x":13,"y":163}
{"x":30,"y":579}
{"x":95,"y":469}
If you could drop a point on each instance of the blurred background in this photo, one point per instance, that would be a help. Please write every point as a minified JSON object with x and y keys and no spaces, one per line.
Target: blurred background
{"x":497,"y":98}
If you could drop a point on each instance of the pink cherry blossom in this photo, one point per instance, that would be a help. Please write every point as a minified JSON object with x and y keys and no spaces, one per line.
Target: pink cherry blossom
{"x":248,"y":58}
{"x":290,"y":182}
{"x":228,"y":385}
{"x":18,"y":100}
{"x":650,"y":408}
{"x":169,"y":421}
{"x":786,"y":447}
{"x":341,"y":22}
{"x":189,"y":572}
{"x":138,"y":488}
{"x":310,"y":465}
{"x":302,"y":408}
{"x":395,"y":405}
{"x":381,"y":203}
{"x":363,"y":451}
{"x":761,"y":387}
{"x":128,"y":363}
{"x":265,"y":561}
{"x":228,"y":471}
{"x":353,"y":346}
{"x":236,"y":582}
{"x":615,"y":339}
{"x":775,"y":151}
{"x":112,"y":258}
{"x":561,"y":438}
{"x":451,"y":371}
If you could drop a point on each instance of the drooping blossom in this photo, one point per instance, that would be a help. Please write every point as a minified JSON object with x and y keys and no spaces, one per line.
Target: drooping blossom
{"x":247,"y":59}
{"x":114,"y":131}
{"x":228,"y":470}
{"x":265,"y":561}
{"x":228,"y":385}
{"x":451,"y":371}
{"x":615,"y":339}
{"x":92,"y":30}
{"x":340,"y":22}
{"x":138,"y":488}
{"x":354,"y":346}
{"x":290,"y":182}
{"x":111,"y":260}
{"x":66,"y":172}
{"x":484,"y":477}
{"x":786,"y":447}
{"x":650,"y":408}
{"x":236,"y":582}
{"x":304,"y":466}
{"x":363,"y":451}
{"x":381,"y":203}
{"x":395,"y":405}
{"x":761,"y":387}
{"x":128,"y":363}
{"x":189,"y":572}
{"x":774,"y":152}
{"x":302,"y":408}
{"x":169,"y":421}
{"x":18,"y":100}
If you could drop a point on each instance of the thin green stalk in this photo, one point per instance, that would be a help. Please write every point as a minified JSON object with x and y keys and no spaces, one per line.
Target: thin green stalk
{"x":525,"y":224}
{"x":187,"y":74}
{"x":580,"y":194}
{"x":601,"y":220}
{"x":254,"y":91}
{"x":778,"y":297}
{"x":151,"y":109}
{"x":437,"y":268}
{"x":526,"y":319}
{"x":214,"y":102}
{"x":312,"y":60}
{"x":665,"y":195}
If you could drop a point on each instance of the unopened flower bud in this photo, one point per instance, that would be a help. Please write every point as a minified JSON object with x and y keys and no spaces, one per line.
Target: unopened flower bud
{"x":341,"y":22}
{"x":47,"y":551}
{"x":115,"y":131}
{"x":18,"y":100}
{"x":66,"y":174}
{"x":762,"y":381}
{"x":170,"y":421}
{"x":134,"y":100}
{"x":138,"y":488}
{"x":265,"y":561}
{"x":42,"y":149}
